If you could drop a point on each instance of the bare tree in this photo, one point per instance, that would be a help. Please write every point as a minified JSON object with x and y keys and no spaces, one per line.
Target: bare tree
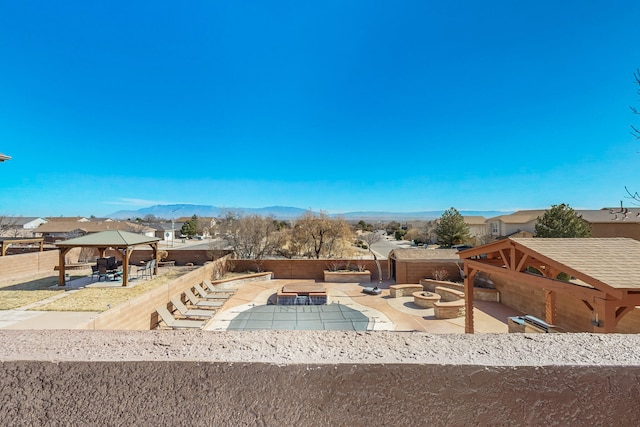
{"x":8,"y":225}
{"x":634,"y":196}
{"x":317,"y":236}
{"x":634,"y":130}
{"x":251,"y":236}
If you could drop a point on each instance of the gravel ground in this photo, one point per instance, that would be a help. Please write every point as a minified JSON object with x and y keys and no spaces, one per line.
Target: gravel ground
{"x":318,"y":347}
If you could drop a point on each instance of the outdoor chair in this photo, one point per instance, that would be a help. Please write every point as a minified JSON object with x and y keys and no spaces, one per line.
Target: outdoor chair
{"x":190,"y":312}
{"x":210,"y":288}
{"x":95,"y":272}
{"x":207,"y":295}
{"x":147,"y":270}
{"x":193,"y":300}
{"x":174,"y":323}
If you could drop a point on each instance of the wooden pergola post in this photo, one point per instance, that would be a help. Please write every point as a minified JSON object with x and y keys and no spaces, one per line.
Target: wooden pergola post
{"x":62,"y":253}
{"x":550,"y":307}
{"x":469,"y":276}
{"x":125,"y":266}
{"x":154,"y":246}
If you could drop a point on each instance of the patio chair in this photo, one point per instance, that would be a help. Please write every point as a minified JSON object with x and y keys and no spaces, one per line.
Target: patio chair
{"x":95,"y":272}
{"x":210,"y":288}
{"x":190,"y":312}
{"x":207,"y":295}
{"x":174,"y":323}
{"x":147,"y":270}
{"x":193,"y":300}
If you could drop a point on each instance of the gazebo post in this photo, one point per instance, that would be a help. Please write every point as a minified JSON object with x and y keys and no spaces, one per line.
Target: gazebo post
{"x":154,"y":246}
{"x":125,"y":266}
{"x":61,"y":266}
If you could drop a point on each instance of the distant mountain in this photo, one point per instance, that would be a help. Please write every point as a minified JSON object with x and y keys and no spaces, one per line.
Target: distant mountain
{"x":182,"y":210}
{"x":283,"y":212}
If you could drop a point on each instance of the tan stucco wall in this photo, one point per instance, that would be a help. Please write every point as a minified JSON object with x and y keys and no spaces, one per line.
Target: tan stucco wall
{"x":14,"y":266}
{"x":275,"y":378}
{"x":305,"y":268}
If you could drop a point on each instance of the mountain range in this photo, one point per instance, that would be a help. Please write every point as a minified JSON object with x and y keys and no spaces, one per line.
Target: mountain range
{"x":283,"y":213}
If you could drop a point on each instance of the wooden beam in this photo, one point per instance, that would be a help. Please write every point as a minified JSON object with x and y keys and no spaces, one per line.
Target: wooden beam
{"x":540,"y":282}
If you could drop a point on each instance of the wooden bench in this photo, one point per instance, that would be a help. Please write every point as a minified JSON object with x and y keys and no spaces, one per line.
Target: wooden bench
{"x":404,"y":290}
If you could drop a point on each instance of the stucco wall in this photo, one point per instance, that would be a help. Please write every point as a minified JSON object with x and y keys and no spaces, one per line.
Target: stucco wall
{"x":272,"y":378}
{"x":305,"y":268}
{"x":14,"y":266}
{"x":413,"y":271}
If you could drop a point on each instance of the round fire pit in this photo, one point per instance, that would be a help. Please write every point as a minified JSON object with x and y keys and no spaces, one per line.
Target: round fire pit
{"x":425,"y":299}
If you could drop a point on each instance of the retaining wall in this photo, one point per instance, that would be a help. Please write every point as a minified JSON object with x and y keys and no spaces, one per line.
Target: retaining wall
{"x":480,"y":294}
{"x":275,"y":378}
{"x":140,"y":313}
{"x":304,"y":268}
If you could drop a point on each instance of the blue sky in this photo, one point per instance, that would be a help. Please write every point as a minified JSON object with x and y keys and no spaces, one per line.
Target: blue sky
{"x":335,"y":106}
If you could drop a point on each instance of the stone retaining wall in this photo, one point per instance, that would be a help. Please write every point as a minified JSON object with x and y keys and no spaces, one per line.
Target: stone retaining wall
{"x":480,"y":294}
{"x":275,"y":378}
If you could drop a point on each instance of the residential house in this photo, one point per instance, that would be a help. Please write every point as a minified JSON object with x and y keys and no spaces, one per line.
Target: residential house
{"x":478,"y":230}
{"x":19,"y":226}
{"x":63,"y":229}
{"x":521,"y":223}
{"x":613,"y":222}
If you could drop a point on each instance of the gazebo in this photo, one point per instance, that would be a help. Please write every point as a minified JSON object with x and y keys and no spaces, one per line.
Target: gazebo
{"x":123,"y":241}
{"x":601,"y":273}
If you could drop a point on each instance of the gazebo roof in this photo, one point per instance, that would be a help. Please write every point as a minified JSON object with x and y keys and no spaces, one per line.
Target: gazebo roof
{"x":111,"y":238}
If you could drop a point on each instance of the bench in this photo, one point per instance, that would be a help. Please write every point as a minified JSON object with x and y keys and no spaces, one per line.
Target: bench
{"x":449,"y":309}
{"x":451,"y":304}
{"x":404,"y":290}
{"x":448,"y":294}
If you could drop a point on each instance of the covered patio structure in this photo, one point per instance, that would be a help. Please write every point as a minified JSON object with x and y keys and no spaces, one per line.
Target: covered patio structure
{"x":123,"y":241}
{"x":602,"y":273}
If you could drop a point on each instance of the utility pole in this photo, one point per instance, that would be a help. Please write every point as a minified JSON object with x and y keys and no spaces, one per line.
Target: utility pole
{"x":173,"y":227}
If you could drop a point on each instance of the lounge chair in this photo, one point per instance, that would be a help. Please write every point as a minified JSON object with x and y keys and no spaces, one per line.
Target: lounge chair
{"x":190,"y":312}
{"x":208,"y":295}
{"x":193,"y":300}
{"x":210,"y":288}
{"x":174,"y":323}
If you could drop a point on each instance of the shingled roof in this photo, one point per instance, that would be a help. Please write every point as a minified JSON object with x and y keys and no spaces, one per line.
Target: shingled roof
{"x":613,"y":261}
{"x":113,"y":238}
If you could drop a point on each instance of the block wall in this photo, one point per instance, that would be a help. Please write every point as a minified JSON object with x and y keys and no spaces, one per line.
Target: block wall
{"x":412,"y":272}
{"x":16,"y":266}
{"x":303,"y":268}
{"x":572,"y":314}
